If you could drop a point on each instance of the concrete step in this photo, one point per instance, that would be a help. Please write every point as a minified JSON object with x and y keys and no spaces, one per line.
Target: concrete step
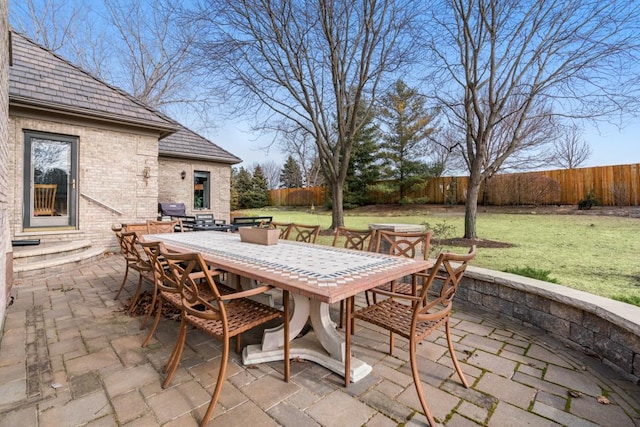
{"x":46,"y":251}
{"x":51,"y":258}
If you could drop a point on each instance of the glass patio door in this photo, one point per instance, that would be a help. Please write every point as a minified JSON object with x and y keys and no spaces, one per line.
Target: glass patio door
{"x":50,"y":180}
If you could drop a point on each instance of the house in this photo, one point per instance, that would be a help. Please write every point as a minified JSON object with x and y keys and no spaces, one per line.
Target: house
{"x":83,"y":155}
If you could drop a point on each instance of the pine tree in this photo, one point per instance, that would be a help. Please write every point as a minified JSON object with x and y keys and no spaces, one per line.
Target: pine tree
{"x":291,"y":176}
{"x":404,"y":141}
{"x":363,"y":169}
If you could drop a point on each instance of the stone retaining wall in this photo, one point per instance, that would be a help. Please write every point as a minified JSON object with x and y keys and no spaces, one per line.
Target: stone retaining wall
{"x":601,"y":327}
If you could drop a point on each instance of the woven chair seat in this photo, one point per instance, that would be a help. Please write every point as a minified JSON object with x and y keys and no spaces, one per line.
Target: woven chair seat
{"x":396,"y":317}
{"x":242,"y":315}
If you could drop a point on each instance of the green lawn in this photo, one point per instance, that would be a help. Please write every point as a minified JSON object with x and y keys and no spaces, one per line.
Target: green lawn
{"x":597,"y":254}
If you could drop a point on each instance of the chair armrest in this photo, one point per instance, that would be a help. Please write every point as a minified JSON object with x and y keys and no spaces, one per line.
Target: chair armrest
{"x":247,"y":293}
{"x":396,"y":295}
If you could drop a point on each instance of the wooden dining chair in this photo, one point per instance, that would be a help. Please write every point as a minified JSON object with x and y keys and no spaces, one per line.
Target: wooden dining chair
{"x":348,"y":238}
{"x":285,"y":228}
{"x":137,"y":227}
{"x":44,"y":198}
{"x":135,"y":261}
{"x":416,"y":317}
{"x":405,"y":244}
{"x":158,"y":227}
{"x":222,"y":318}
{"x":303,"y":233}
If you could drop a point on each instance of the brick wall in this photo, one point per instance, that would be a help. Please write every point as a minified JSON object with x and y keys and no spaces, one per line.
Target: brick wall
{"x":600,"y":327}
{"x":111,"y":170}
{"x":6,"y":277}
{"x":172,"y":188}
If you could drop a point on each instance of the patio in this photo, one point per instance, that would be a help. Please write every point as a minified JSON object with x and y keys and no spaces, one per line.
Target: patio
{"x":70,"y":356}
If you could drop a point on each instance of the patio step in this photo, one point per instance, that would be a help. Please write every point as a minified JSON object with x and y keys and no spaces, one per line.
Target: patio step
{"x":50,"y":258}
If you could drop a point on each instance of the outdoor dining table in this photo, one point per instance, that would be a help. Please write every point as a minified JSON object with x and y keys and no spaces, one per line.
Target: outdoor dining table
{"x":315,"y":275}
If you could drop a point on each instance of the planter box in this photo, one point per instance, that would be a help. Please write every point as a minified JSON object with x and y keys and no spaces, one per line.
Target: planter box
{"x":260,"y":236}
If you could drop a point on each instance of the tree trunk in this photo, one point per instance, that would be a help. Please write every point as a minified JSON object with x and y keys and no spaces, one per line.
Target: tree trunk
{"x":471,"y":207}
{"x":337,"y":210}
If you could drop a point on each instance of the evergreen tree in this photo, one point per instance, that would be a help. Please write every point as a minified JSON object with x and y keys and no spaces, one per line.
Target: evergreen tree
{"x":363,"y":169}
{"x":291,"y":176}
{"x":256,"y":194}
{"x":404,"y":140}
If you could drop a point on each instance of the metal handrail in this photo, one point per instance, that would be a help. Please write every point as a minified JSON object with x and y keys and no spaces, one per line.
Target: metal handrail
{"x":104,"y":205}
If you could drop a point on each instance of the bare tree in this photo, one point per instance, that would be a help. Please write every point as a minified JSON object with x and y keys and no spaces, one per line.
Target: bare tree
{"x":67,"y":27}
{"x":570,"y":150}
{"x":515,"y":65}
{"x":314,"y":64}
{"x":50,"y":23}
{"x":153,"y":51}
{"x":142,"y":47}
{"x":301,"y":145}
{"x":271,"y":172}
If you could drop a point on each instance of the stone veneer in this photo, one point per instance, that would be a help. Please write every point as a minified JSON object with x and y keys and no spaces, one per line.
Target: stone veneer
{"x":6,"y":260}
{"x":601,"y":327}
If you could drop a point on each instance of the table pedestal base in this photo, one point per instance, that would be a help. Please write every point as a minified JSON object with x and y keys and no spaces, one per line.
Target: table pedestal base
{"x":324,"y":345}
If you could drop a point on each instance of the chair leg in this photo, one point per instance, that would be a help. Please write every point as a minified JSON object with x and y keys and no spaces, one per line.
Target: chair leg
{"x":154,"y":300}
{"x":416,"y":381}
{"x":174,"y":359}
{"x":453,"y":356}
{"x":221,"y":377}
{"x":287,"y":343}
{"x":156,"y":321}
{"x":341,"y":314}
{"x":392,"y":343}
{"x":347,"y":341}
{"x":124,"y":280}
{"x":134,"y":299}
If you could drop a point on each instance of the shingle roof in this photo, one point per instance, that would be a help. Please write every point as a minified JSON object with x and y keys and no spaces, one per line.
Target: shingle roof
{"x":188,"y":144}
{"x":40,"y":79}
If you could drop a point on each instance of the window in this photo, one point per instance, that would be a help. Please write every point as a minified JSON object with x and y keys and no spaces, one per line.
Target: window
{"x":201,"y":190}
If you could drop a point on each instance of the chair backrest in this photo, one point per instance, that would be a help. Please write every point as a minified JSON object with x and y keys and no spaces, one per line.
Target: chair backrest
{"x":138,"y":227}
{"x":130,"y":245}
{"x":448,"y":270}
{"x":353,"y":239}
{"x":285,"y":228}
{"x":155,"y":253}
{"x":157,"y":227}
{"x":205,"y":219}
{"x":189,"y":270}
{"x":44,"y":198}
{"x":118,"y":232}
{"x":406,"y":244}
{"x":303,"y":233}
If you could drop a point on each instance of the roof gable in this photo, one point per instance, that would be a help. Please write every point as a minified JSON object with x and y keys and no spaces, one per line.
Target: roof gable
{"x":40,"y":79}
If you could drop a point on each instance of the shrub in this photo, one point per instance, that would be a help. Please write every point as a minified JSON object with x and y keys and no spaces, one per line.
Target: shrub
{"x":441,"y":231}
{"x":533,"y":273}
{"x":588,"y":202}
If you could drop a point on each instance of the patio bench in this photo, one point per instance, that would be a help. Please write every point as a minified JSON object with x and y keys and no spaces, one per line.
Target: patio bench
{"x":250,"y":221}
{"x":206,"y":222}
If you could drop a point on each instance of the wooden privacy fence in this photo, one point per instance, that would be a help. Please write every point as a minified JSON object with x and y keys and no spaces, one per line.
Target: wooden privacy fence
{"x":316,"y":196}
{"x":617,"y":185}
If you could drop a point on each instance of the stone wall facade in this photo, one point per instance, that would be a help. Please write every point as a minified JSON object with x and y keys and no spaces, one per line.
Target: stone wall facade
{"x":6,"y":260}
{"x":111,"y":169}
{"x":172,"y":188}
{"x":600,"y":327}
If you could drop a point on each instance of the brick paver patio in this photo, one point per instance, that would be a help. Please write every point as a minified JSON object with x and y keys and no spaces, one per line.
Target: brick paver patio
{"x":69,"y":356}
